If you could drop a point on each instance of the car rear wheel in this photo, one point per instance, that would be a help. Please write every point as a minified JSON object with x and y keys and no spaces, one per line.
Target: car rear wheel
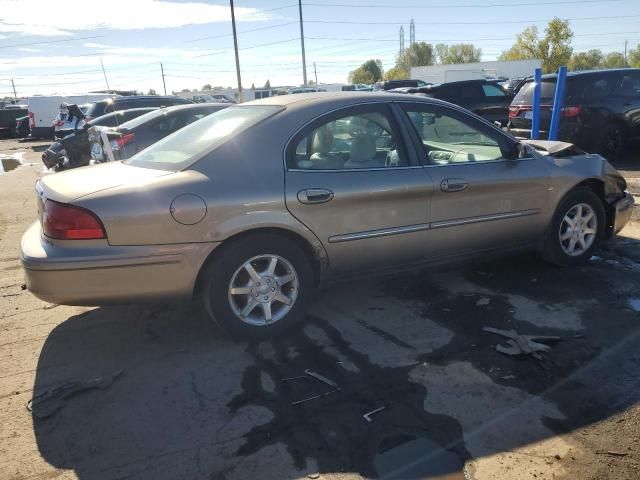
{"x":612,"y":142}
{"x":576,"y":228}
{"x":258,"y":286}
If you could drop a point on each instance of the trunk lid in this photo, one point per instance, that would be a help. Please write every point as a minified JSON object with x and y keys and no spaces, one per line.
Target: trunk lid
{"x":71,"y":185}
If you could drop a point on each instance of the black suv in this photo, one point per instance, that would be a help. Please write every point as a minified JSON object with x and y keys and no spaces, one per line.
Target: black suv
{"x":600,"y":113}
{"x":485,"y":98}
{"x":135,"y":101}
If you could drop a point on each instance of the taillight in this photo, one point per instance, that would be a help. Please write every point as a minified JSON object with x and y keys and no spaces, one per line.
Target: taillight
{"x":513,"y":112}
{"x":569,"y":112}
{"x":119,"y":143}
{"x":32,"y":120}
{"x":67,"y":222}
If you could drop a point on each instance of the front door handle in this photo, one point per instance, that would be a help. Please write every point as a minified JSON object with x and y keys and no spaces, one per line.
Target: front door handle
{"x":315,"y":195}
{"x":453,"y":185}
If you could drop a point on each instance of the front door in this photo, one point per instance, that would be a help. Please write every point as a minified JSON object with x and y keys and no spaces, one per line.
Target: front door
{"x":485,"y":197}
{"x":352,"y":181}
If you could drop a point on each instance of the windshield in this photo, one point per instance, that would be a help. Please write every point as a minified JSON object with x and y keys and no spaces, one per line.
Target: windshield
{"x":184,"y":146}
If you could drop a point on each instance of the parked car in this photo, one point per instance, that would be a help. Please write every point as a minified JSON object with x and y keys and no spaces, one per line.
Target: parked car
{"x":391,"y":84}
{"x":600,"y":113}
{"x":297,"y":90}
{"x":253,"y":206}
{"x":74,"y":150}
{"x":134,"y":101}
{"x":8,"y":118}
{"x":118,"y":143}
{"x":485,"y":98}
{"x":513,"y":85}
{"x":212,"y":98}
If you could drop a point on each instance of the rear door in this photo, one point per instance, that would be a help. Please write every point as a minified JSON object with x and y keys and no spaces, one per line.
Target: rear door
{"x":352,"y":181}
{"x":484,"y":197}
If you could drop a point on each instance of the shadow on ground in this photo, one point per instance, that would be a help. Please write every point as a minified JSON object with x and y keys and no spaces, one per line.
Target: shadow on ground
{"x":194,"y":404}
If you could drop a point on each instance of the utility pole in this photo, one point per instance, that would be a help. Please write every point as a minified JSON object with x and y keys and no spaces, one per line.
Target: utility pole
{"x":163,"y":83}
{"x":13,"y":85}
{"x":315,"y":72}
{"x":304,"y":60}
{"x":401,"y":40}
{"x":412,"y":33}
{"x":105,"y":74}
{"x":625,"y":53}
{"x":235,"y":47}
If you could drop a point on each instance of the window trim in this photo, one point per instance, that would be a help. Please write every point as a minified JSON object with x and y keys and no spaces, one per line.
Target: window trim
{"x":477,"y":123}
{"x":383,"y":108}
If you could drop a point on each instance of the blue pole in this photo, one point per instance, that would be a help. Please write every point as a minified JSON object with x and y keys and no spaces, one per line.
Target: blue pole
{"x":535,"y":108}
{"x":557,"y":103}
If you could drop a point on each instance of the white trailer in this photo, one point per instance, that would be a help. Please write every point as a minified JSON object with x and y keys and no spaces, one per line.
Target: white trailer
{"x":475,"y":71}
{"x":43,"y":110}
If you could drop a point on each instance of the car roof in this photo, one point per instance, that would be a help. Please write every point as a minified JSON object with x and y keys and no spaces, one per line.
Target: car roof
{"x":340,"y":98}
{"x":591,"y":72}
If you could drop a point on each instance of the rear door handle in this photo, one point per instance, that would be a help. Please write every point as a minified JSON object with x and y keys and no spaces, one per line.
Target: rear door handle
{"x":315,"y":195}
{"x":453,"y":185}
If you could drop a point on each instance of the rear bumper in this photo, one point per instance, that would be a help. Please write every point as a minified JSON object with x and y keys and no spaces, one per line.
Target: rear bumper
{"x":622,"y":211}
{"x":96,"y":273}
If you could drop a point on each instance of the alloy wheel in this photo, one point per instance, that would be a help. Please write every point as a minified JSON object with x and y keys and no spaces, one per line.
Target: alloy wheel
{"x":263,"y":290}
{"x":578,"y":229}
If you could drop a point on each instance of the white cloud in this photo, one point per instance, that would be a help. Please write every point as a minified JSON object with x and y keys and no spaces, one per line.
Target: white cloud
{"x":47,"y":18}
{"x":29,"y":50}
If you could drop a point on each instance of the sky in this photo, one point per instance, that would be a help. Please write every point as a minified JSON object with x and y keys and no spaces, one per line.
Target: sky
{"x":56,"y":46}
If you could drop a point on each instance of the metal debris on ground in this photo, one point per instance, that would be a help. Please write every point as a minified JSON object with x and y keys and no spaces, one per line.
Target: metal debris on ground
{"x":48,"y":402}
{"x":522,"y":344}
{"x":311,"y":374}
{"x":367,"y":416}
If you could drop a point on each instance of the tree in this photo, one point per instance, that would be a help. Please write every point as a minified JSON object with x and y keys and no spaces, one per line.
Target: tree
{"x":267,"y":84}
{"x":253,"y":87}
{"x":152,"y":92}
{"x":613,"y":60}
{"x":206,"y":87}
{"x":553,"y":50}
{"x":586,"y":60}
{"x":417,"y":55}
{"x":395,"y":73}
{"x":634,"y":57}
{"x":458,"y":53}
{"x":369,"y":72}
{"x":185,"y":90}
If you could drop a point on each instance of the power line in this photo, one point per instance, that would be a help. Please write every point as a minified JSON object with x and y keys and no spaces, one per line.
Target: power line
{"x":50,"y":41}
{"x":243,"y":31}
{"x":225,"y":50}
{"x":465,"y":5}
{"x":494,"y":22}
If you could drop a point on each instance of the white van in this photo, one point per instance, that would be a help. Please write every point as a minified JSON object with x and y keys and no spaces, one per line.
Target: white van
{"x":43,"y":110}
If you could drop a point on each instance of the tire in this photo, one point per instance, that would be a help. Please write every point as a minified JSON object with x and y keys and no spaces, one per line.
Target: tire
{"x":228,"y":265}
{"x":555,"y":249}
{"x":612,"y":142}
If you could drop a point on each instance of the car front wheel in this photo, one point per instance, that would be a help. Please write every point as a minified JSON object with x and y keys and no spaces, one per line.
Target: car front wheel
{"x":258,"y":286}
{"x":576,"y":228}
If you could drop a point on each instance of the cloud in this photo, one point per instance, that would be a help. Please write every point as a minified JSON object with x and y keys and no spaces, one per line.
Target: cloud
{"x":46,"y":18}
{"x":29,"y":50}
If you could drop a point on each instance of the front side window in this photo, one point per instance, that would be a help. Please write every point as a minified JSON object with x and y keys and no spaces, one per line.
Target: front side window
{"x":449,"y":138}
{"x":630,"y":85}
{"x":365,"y":140}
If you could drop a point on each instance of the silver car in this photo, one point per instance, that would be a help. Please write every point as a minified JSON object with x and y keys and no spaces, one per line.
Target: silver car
{"x":254,"y":206}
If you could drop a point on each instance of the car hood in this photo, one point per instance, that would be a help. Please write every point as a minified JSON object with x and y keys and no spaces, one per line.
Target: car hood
{"x":73,"y":184}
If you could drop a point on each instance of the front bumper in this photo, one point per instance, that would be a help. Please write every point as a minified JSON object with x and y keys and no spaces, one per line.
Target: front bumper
{"x":622,"y":211}
{"x":92,"y":272}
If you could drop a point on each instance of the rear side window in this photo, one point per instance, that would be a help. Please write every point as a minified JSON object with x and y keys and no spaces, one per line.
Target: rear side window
{"x":525,"y":95}
{"x":630,"y":85}
{"x":597,"y":87}
{"x":97,"y":109}
{"x":492,"y":90}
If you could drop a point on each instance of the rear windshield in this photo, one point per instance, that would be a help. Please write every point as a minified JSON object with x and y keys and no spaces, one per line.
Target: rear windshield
{"x":525,"y":95}
{"x":179,"y":149}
